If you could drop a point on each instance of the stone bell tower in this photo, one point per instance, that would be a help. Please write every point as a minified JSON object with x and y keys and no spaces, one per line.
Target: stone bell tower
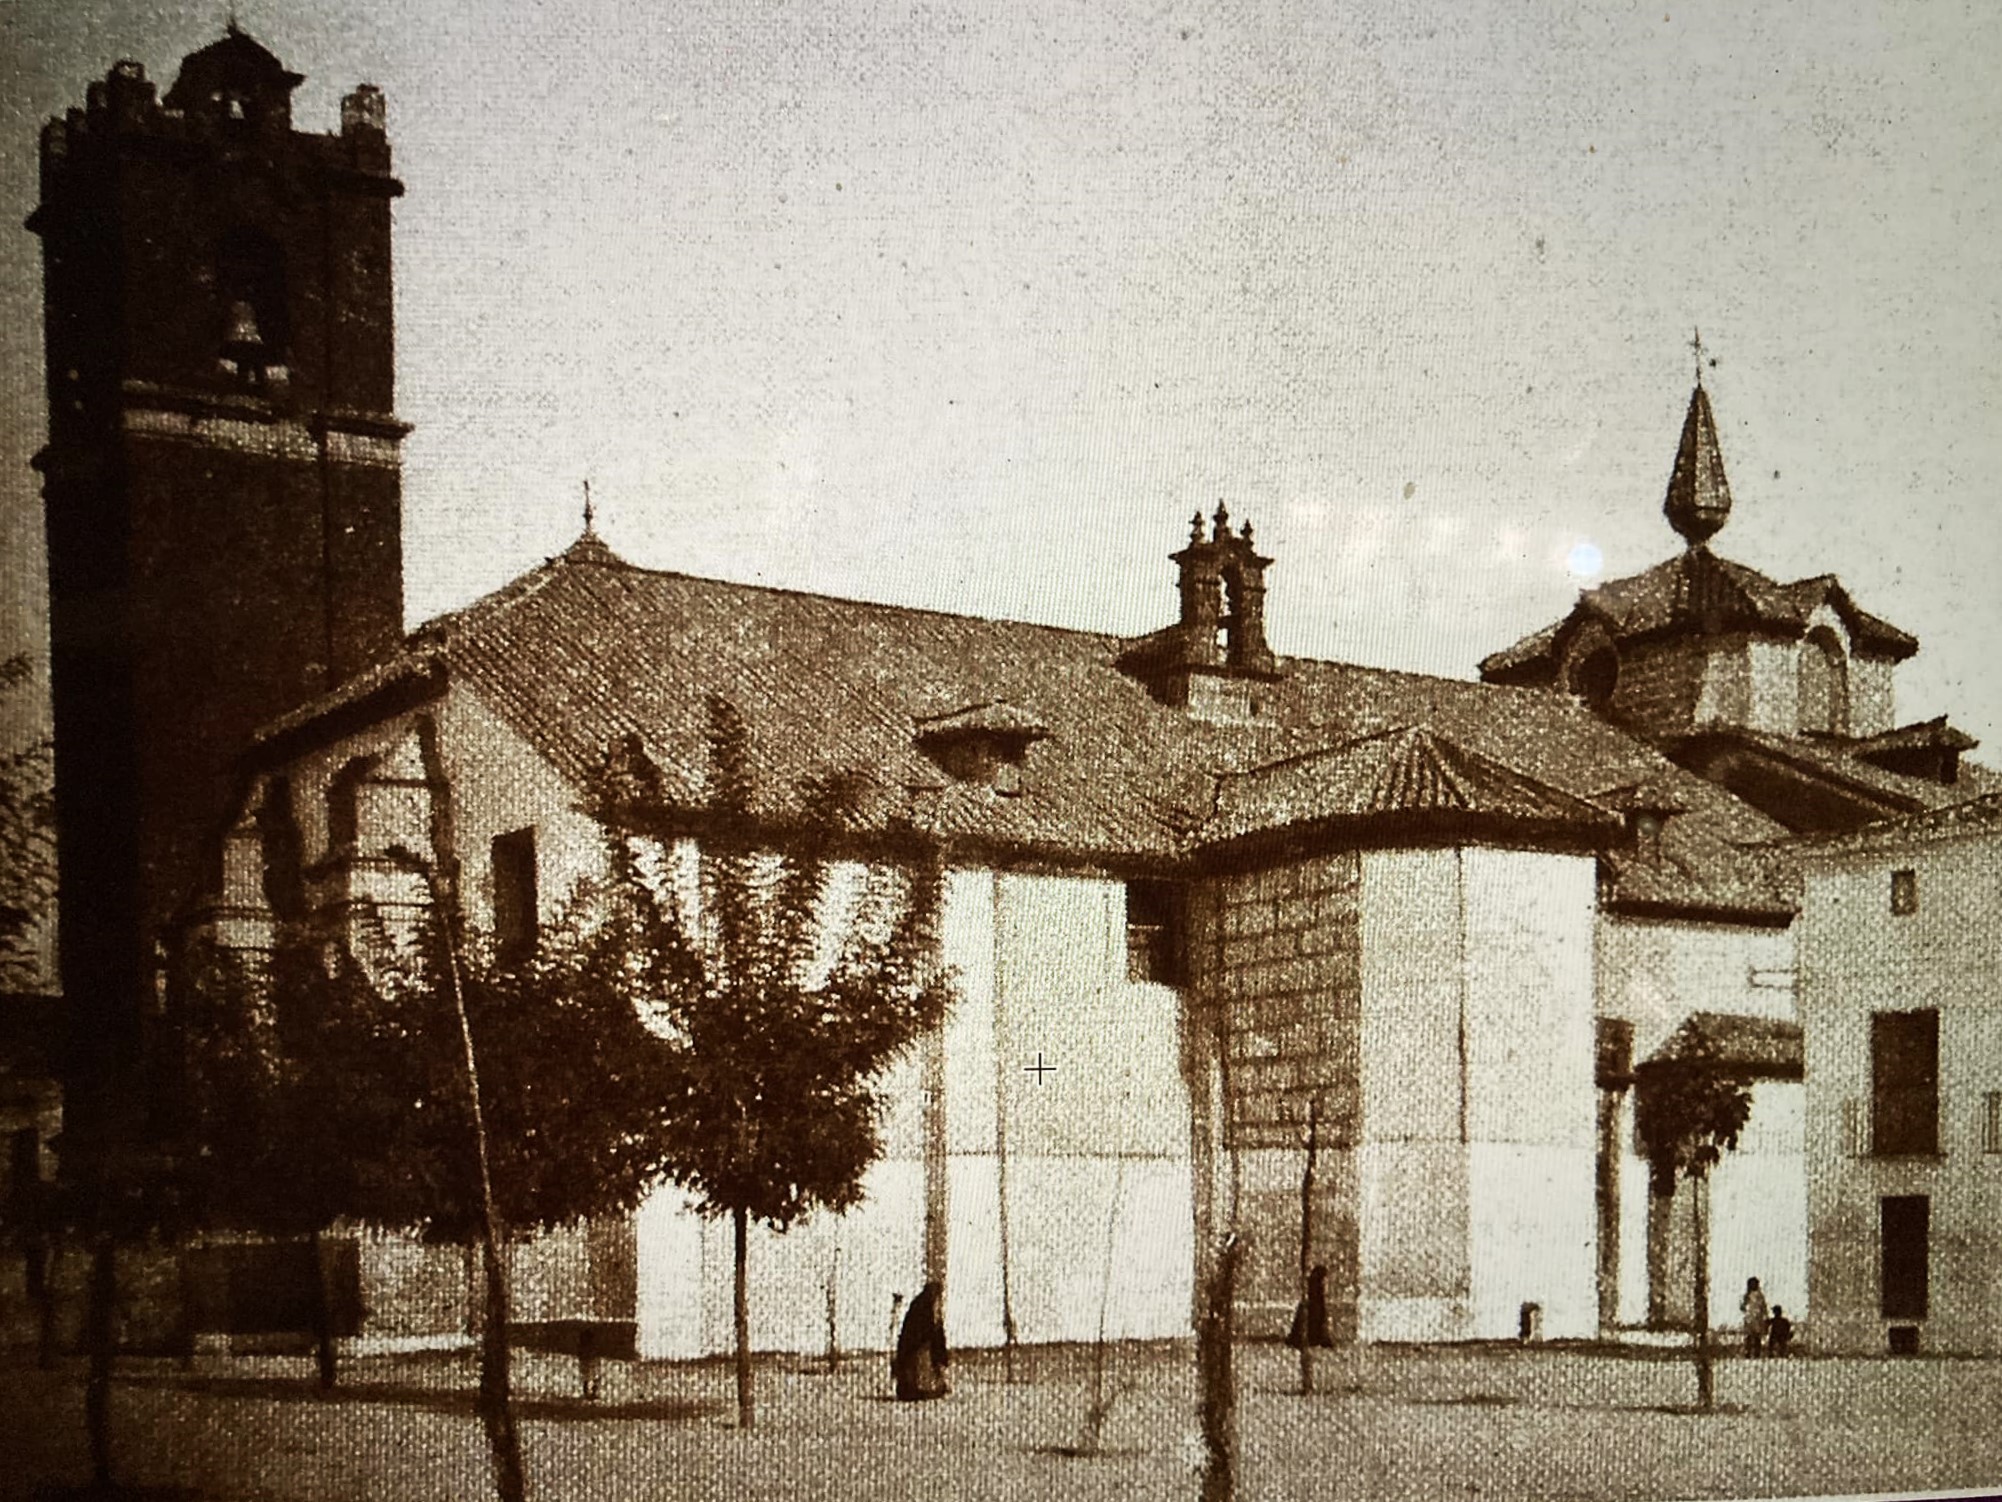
{"x":221,"y":479}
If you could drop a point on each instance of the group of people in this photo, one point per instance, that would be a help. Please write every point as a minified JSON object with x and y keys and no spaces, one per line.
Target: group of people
{"x":917,"y":1367}
{"x":1767,"y":1333}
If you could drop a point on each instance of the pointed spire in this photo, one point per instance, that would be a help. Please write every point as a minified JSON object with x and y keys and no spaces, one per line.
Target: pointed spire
{"x":590,"y":511}
{"x":1699,"y":497}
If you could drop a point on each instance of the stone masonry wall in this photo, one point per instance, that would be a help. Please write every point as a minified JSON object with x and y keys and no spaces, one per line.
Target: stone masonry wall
{"x":1286,"y":963}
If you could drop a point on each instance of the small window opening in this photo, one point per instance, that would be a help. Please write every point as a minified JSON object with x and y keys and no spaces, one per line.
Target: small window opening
{"x":1597,"y":676}
{"x":1823,"y":684}
{"x":1991,"y":1122}
{"x":344,"y":803}
{"x":1154,"y":913}
{"x":1904,"y":892}
{"x":514,"y":896}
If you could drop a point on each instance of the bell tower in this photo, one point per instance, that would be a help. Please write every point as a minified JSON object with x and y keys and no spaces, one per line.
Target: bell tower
{"x":222,"y":476}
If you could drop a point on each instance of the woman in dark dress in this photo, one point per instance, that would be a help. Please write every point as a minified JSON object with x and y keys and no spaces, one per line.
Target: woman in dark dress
{"x":920,"y":1360}
{"x":1310,"y":1318}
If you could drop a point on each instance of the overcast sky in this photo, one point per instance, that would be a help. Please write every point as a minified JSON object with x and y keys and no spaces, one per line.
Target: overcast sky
{"x":969,"y":305}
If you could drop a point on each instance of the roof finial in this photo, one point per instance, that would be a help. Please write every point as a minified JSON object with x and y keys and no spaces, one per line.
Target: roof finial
{"x":1696,"y":344}
{"x":590,"y":511}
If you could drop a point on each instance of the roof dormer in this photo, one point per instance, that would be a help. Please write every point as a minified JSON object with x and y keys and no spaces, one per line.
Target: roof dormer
{"x":983,"y":744}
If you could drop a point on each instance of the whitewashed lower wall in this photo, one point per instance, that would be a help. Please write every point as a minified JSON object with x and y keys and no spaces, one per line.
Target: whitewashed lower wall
{"x":1758,"y":1218}
{"x":1097,"y":1160}
{"x":1478,"y":1106}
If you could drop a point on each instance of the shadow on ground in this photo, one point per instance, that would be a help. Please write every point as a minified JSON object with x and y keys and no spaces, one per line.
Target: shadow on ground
{"x":437,"y":1399}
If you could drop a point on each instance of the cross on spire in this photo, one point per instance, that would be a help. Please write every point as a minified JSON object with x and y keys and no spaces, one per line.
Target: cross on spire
{"x":590,"y":512}
{"x":1696,"y":344}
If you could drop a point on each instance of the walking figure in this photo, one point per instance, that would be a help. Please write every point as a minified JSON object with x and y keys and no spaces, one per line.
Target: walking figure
{"x":920,"y":1360}
{"x":1753,"y":1304}
{"x":1310,"y":1316}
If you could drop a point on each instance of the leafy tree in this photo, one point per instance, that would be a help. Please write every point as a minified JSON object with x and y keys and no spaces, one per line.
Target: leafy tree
{"x":269,"y":1046}
{"x":495,"y":1091}
{"x":1688,"y":1111}
{"x":758,"y":1088}
{"x":409,"y":1080}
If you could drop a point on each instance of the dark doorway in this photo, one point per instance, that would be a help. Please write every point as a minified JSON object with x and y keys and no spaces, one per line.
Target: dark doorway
{"x":1905,"y":1225}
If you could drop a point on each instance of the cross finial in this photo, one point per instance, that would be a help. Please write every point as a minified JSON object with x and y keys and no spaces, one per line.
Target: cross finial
{"x":1696,"y":344}
{"x":590,"y":512}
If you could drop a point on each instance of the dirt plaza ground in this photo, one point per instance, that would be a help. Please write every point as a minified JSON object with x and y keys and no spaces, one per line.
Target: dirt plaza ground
{"x":1455,"y":1423}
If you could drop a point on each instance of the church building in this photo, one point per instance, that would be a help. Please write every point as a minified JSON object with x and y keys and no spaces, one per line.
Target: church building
{"x":1360,"y":961}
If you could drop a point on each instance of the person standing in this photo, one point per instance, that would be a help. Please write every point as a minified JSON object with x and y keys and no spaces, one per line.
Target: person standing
{"x":1753,"y":1307}
{"x":1310,"y":1317}
{"x":920,"y":1360}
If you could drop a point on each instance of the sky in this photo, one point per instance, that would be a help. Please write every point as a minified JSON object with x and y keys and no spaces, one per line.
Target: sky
{"x":969,"y":306}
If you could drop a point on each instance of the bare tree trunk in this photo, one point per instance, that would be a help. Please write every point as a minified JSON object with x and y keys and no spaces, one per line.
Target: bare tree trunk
{"x":1699,"y":1210}
{"x":496,"y":1401}
{"x":41,"y":1274}
{"x":740,"y":1225}
{"x":1098,"y":1407}
{"x":833,"y":1312}
{"x":323,"y":1319}
{"x":1001,"y":1140}
{"x":1307,"y":1243}
{"x":1213,"y":1367}
{"x":100,"y":1324}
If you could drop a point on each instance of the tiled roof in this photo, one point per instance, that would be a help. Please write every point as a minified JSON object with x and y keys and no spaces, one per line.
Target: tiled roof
{"x":1402,"y":771}
{"x":1971,"y":816}
{"x":587,"y":650}
{"x":1837,"y":761}
{"x":1699,"y":592}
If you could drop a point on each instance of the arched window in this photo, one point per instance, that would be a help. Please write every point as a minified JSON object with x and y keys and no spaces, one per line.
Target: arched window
{"x":252,"y":317}
{"x":1592,"y":671}
{"x":1824,"y":684}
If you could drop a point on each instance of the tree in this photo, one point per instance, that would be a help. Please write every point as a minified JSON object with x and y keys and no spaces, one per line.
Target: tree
{"x":269,"y":1048}
{"x":409,"y":1080}
{"x":1688,"y":1111}
{"x":499,"y":1091}
{"x":774,"y":1007}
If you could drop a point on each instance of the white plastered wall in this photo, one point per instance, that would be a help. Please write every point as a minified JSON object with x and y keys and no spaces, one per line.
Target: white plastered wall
{"x":1096,"y":1161}
{"x":1655,"y":974}
{"x":1478,"y":1111}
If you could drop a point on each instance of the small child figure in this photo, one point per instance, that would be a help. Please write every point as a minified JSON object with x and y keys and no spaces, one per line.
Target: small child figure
{"x":1779,"y":1333}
